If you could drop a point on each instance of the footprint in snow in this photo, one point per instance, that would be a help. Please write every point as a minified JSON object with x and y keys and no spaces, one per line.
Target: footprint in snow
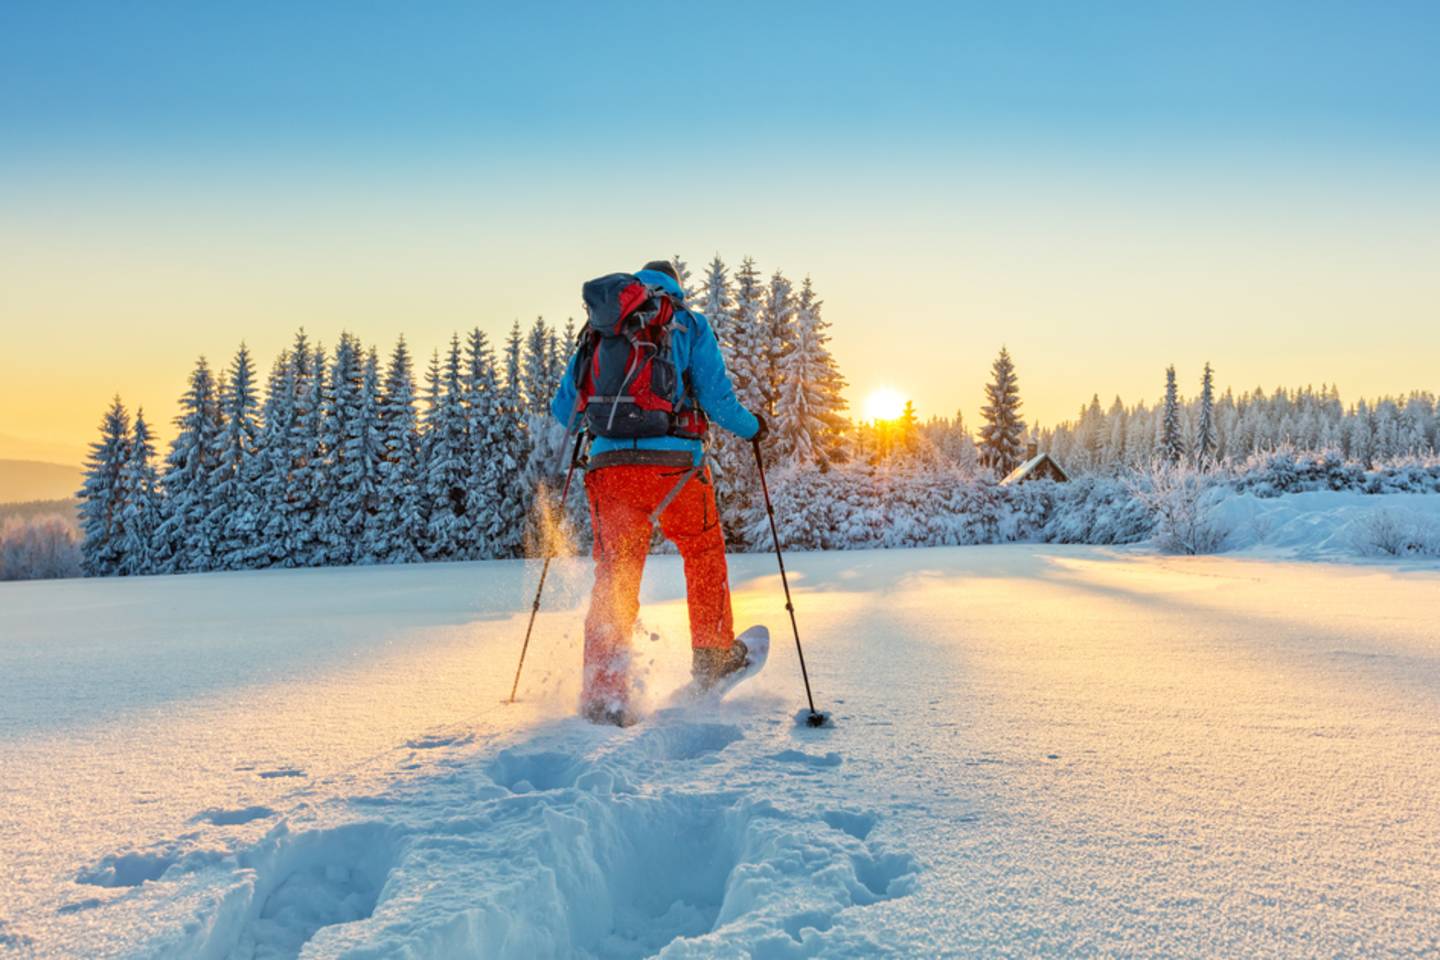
{"x":831,"y":759}
{"x":231,"y":818}
{"x":885,"y":875}
{"x":305,"y":882}
{"x":10,"y":937}
{"x":528,"y":772}
{"x":434,"y":742}
{"x":129,"y":869}
{"x":853,"y":822}
{"x":688,"y":741}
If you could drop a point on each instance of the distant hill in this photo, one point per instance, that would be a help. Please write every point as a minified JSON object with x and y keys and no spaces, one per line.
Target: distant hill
{"x":22,"y":480}
{"x":13,"y":447}
{"x":67,"y":510}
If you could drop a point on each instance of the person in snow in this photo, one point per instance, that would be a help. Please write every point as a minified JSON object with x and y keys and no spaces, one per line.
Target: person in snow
{"x":646,"y":379}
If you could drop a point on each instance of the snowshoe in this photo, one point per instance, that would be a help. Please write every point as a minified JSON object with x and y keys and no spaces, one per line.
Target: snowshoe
{"x":717,"y":671}
{"x":608,"y":713}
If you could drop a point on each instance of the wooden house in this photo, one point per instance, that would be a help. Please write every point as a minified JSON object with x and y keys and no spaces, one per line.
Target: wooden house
{"x":1037,"y":466}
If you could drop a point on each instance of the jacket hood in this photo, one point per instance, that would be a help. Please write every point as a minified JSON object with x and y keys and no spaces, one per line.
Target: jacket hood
{"x":657,"y":279}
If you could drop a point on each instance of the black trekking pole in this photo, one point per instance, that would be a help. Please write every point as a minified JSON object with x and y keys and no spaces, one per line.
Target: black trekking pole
{"x":816,"y":718}
{"x":545,"y":570}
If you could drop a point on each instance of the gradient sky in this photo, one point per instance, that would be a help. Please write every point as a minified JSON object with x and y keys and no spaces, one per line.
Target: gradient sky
{"x":1106,"y":188}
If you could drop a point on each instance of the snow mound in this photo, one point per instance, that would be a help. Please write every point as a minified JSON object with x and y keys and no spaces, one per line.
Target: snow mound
{"x":1332,"y":525}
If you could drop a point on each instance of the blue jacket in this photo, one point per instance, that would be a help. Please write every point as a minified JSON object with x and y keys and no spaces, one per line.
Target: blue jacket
{"x":694,"y":347}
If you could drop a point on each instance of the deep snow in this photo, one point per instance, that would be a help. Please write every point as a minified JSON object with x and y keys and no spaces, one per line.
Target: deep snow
{"x":1038,"y":750}
{"x":1329,"y":524}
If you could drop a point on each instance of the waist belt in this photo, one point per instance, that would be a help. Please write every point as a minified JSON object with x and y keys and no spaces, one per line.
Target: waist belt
{"x":659,"y":458}
{"x":633,"y":456}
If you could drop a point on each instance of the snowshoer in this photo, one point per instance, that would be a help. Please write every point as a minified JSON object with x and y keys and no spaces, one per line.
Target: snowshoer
{"x":646,"y":379}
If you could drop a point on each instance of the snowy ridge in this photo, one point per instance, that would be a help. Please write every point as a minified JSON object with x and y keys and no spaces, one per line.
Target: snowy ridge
{"x":542,"y":849}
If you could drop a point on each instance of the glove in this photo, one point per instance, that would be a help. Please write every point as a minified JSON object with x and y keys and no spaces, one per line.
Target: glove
{"x":762,"y":432}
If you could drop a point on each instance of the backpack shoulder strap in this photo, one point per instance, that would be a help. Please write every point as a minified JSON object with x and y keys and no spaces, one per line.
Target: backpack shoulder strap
{"x":684,"y":321}
{"x":584,"y":350}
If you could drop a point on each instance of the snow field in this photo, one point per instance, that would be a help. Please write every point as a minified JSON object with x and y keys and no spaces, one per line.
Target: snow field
{"x":1038,"y":750}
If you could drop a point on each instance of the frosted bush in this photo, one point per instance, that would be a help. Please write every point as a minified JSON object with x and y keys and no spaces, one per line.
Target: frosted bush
{"x":1287,"y":470}
{"x":1397,"y":533}
{"x":1179,"y":498}
{"x":857,"y":507}
{"x":1096,"y":509}
{"x":38,"y":548}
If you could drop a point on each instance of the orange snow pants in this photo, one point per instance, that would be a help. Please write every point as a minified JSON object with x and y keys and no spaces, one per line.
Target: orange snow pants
{"x":622,"y":498}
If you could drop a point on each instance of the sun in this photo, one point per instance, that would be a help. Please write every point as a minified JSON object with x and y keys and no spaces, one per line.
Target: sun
{"x":884,"y":404}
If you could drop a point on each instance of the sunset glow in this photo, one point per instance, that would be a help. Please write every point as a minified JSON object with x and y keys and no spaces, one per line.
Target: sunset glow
{"x":386,"y":198}
{"x":884,"y":404}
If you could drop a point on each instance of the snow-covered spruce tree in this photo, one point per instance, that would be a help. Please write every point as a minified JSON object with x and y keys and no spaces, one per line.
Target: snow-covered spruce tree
{"x":951,"y":442}
{"x":1387,"y":430}
{"x":102,"y":497}
{"x":1227,"y":421}
{"x":186,"y":538}
{"x":682,"y":271}
{"x":485,"y":478}
{"x":141,"y":515}
{"x":907,"y":432}
{"x":1360,"y":438}
{"x":559,"y":347}
{"x":1172,"y":437}
{"x":308,"y":456}
{"x":749,"y":340}
{"x":1205,"y":427}
{"x":746,"y":345}
{"x":514,"y":364}
{"x":1002,"y":436}
{"x":1117,"y":422}
{"x":399,"y":528}
{"x":716,"y":301}
{"x":735,"y":321}
{"x":506,"y":449}
{"x":1415,"y":417}
{"x":779,"y":322}
{"x":1088,"y":437}
{"x":367,"y":454}
{"x":808,"y":419}
{"x":236,"y":510}
{"x":429,"y":418}
{"x":447,"y":468}
{"x":277,"y":421}
{"x":538,"y":388}
{"x":544,"y":451}
{"x":338,"y":500}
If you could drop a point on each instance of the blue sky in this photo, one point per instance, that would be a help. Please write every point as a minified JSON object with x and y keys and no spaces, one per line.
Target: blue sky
{"x":968,"y":173}
{"x":285,"y":79}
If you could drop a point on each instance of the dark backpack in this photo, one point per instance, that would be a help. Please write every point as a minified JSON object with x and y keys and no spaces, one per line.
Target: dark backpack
{"x":628,"y":386}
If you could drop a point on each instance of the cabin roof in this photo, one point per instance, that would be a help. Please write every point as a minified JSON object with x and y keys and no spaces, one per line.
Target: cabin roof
{"x":1026,"y":469}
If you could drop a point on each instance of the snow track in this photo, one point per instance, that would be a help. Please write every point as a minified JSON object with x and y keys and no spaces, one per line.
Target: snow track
{"x":537,"y":850}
